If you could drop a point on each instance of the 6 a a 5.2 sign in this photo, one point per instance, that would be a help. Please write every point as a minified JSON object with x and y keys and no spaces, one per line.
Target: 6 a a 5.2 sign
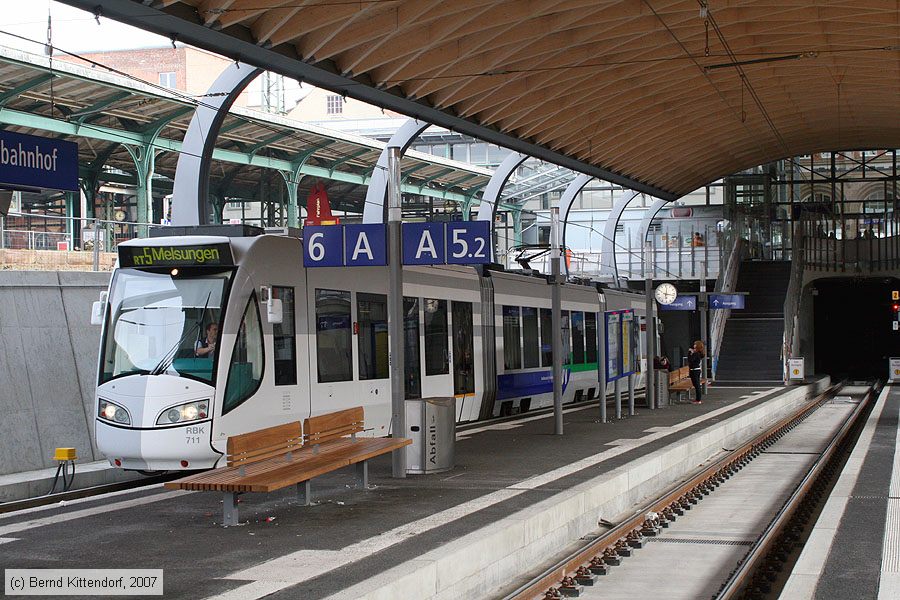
{"x":456,"y":243}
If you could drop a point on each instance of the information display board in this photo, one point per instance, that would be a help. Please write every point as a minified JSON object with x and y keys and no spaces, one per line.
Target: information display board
{"x":621,"y":337}
{"x":796,"y":369}
{"x":38,"y":162}
{"x":459,"y":243}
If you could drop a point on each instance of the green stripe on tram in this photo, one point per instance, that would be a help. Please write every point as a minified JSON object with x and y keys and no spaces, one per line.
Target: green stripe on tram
{"x":581,"y":368}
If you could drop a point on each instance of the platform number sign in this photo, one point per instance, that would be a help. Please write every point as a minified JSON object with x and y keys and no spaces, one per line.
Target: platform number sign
{"x":467,"y":243}
{"x":323,"y":246}
{"x":424,"y":244}
{"x":365,"y":245}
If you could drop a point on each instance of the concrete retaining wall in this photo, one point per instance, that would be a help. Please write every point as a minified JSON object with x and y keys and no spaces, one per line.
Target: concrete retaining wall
{"x":489,"y":559}
{"x":48,"y":365}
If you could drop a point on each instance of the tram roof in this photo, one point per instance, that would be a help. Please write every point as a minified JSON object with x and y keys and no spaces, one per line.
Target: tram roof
{"x":112,"y":115}
{"x":655,"y":95}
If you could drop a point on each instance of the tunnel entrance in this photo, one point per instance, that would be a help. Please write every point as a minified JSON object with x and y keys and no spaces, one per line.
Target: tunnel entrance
{"x":854,"y":333}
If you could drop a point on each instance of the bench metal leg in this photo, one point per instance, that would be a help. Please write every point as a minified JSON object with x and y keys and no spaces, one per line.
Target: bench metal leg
{"x":304,"y":492}
{"x":362,"y":475}
{"x":230,"y":509}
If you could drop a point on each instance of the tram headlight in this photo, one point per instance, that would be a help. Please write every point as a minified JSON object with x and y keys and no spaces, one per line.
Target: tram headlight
{"x":110,"y":411}
{"x":192,"y":411}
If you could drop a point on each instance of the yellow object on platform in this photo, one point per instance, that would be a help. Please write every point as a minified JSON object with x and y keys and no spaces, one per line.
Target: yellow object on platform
{"x":65,"y":454}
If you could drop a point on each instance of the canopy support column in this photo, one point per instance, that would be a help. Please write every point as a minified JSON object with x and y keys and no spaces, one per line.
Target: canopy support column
{"x":565,"y":204}
{"x":608,"y":264}
{"x":190,"y":195}
{"x":487,"y":210}
{"x":644,"y":229}
{"x":373,"y":211}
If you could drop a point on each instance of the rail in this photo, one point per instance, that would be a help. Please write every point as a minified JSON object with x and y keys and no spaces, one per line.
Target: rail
{"x":685,"y":492}
{"x":739,"y":579}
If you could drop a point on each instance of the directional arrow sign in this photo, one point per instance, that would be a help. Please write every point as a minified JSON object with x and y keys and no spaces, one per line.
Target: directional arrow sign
{"x":723,"y":301}
{"x":681,"y":303}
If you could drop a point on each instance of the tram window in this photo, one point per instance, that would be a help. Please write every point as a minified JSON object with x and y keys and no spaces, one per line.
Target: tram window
{"x":413,"y":383}
{"x":512,"y":344}
{"x":590,"y":337}
{"x":284,"y":338}
{"x":247,"y":359}
{"x":372,"y":340}
{"x":463,"y":349}
{"x":578,"y":337}
{"x":546,"y":337}
{"x":333,"y":337}
{"x":566,"y":338}
{"x":436,"y":348}
{"x":532,"y":355}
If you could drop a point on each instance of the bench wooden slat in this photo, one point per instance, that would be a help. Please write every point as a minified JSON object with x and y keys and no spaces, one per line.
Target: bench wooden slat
{"x":240,"y":447}
{"x":324,"y":427}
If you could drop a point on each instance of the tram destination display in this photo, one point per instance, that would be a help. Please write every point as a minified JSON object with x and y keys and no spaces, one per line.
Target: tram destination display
{"x":201,"y":255}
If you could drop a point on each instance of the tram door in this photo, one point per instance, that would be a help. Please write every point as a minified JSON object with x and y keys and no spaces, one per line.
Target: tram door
{"x":437,"y":377}
{"x":463,"y":357}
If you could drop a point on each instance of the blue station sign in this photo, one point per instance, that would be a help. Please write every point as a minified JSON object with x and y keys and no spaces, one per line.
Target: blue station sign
{"x":455,"y":243}
{"x":37,"y":162}
{"x":722,"y":301}
{"x":681,"y":303}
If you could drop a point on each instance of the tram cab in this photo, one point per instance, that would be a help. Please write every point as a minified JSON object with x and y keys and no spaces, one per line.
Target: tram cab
{"x":158,"y":397}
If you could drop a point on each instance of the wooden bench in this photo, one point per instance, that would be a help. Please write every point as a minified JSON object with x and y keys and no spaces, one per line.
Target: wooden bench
{"x":680,"y":382}
{"x":277,"y":457}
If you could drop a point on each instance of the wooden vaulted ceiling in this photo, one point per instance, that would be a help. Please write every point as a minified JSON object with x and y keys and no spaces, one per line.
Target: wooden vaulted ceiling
{"x":651,"y":90}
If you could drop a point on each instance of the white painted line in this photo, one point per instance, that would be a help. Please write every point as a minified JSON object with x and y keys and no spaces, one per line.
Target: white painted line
{"x":6,"y":540}
{"x":889,"y":587}
{"x":303,"y":565}
{"x":87,"y":512}
{"x":811,"y":562}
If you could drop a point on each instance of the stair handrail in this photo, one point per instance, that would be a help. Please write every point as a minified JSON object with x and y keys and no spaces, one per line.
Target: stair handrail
{"x":726,"y":282}
{"x":792,"y":298}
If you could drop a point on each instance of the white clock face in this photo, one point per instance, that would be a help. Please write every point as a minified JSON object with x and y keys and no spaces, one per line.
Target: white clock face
{"x":666,"y":293}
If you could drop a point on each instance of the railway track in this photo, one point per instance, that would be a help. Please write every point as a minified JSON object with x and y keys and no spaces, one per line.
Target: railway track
{"x":755,"y":572}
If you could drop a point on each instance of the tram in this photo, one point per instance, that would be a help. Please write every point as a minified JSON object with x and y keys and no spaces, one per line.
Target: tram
{"x":206,"y":337}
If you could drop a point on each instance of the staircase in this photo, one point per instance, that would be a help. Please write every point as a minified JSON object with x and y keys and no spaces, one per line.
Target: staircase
{"x":751,"y":346}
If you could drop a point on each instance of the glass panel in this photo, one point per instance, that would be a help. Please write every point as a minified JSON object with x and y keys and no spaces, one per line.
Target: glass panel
{"x":463,"y":349}
{"x":512,"y":344}
{"x":578,"y":337}
{"x":590,"y":337}
{"x":461,"y":152}
{"x":546,"y":337}
{"x":413,"y":382}
{"x":436,"y":331}
{"x":284,"y":339}
{"x":478,"y":154}
{"x":372,"y":340}
{"x":333,"y":336}
{"x":247,"y":360}
{"x":532,"y":354}
{"x":566,"y":338}
{"x":163,"y":323}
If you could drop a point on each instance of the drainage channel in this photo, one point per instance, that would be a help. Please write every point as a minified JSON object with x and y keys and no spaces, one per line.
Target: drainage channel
{"x":729,"y":545}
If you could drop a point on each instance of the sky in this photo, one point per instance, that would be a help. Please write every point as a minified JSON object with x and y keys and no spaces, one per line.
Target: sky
{"x":73,"y":29}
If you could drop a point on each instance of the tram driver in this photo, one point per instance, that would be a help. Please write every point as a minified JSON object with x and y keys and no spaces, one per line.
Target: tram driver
{"x":206,"y":347}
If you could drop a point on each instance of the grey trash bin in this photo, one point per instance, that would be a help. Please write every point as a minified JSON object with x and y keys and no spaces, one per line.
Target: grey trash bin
{"x":662,"y":388}
{"x":431,"y":424}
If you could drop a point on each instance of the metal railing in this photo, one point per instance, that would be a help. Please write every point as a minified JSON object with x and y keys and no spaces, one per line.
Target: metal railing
{"x":854,"y":243}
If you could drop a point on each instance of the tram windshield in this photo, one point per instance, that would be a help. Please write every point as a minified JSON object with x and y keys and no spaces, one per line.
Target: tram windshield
{"x":162,"y":323}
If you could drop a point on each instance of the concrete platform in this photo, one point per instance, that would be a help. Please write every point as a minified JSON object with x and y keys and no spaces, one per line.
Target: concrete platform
{"x":31,"y":484}
{"x":518,"y":497}
{"x":854,"y":548}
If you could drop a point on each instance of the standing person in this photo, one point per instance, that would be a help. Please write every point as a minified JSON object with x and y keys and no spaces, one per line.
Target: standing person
{"x":695,"y":362}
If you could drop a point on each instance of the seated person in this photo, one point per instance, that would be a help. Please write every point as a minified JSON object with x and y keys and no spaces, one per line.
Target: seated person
{"x":206,"y":347}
